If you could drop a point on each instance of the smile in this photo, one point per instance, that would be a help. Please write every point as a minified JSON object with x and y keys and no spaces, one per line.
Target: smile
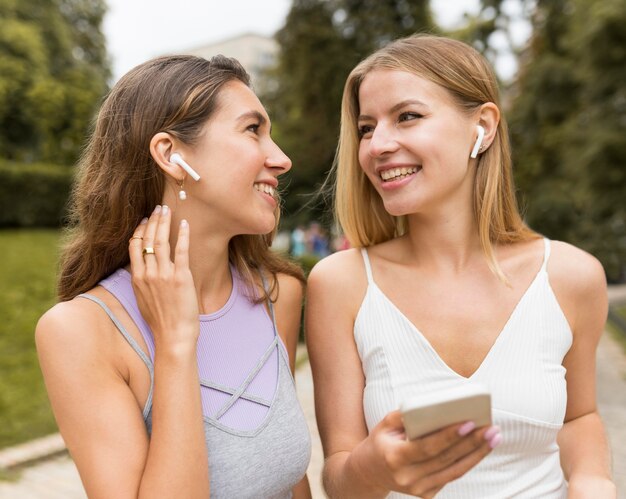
{"x":397,"y":173}
{"x":266,"y":188}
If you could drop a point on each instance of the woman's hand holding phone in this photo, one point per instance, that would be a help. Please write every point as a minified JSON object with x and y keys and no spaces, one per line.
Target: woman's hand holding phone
{"x":420,"y":467}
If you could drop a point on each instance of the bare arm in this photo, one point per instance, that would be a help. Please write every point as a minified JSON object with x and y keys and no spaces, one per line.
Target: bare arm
{"x":95,"y":409}
{"x":288,"y":309}
{"x":585,"y":455}
{"x":359,"y":464}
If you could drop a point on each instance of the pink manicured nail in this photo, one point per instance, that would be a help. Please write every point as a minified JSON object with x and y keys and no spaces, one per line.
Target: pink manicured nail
{"x":489,"y":434}
{"x":466,"y":428}
{"x":157,"y":209}
{"x":165,"y":209}
{"x":495,"y":441}
{"x":143,"y":221}
{"x":183,"y":223}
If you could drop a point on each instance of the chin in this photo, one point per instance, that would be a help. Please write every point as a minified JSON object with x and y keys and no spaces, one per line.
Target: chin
{"x":400,"y":209}
{"x":262,"y":227}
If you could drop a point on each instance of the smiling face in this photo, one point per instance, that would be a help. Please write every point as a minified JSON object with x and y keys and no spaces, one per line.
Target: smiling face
{"x":238,"y":163}
{"x":415,"y":143}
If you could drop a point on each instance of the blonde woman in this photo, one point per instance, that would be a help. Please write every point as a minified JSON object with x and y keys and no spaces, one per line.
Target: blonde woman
{"x":447,"y":286}
{"x":169,"y":359}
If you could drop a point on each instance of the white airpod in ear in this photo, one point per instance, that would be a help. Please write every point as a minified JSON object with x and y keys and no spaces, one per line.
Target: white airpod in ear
{"x":177,"y":158}
{"x":479,"y":141}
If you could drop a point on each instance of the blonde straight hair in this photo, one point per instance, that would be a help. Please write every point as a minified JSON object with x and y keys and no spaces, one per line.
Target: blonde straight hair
{"x":118,"y":183}
{"x":469,"y":79}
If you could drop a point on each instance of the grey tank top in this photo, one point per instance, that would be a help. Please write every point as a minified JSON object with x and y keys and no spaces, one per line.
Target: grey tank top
{"x":257,"y":438}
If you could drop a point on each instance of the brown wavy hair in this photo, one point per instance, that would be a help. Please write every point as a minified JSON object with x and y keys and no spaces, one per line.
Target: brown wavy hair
{"x":118,"y":183}
{"x":471,"y":82}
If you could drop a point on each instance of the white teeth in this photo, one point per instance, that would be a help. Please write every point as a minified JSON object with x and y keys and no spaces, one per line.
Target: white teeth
{"x":394,"y":173}
{"x":263,"y":187}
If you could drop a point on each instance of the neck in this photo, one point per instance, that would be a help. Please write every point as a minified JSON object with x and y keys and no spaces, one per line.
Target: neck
{"x":446,"y":241}
{"x":208,"y":257}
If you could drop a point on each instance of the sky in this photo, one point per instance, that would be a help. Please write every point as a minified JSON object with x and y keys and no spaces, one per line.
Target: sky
{"x":137,"y":30}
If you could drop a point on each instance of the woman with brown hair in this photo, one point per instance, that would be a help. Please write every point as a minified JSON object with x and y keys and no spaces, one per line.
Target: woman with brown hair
{"x":169,"y":359}
{"x":447,"y":287}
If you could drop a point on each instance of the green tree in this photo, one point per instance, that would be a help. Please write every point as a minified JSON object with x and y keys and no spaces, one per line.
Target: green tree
{"x":568,"y":126}
{"x":320,"y":44}
{"x":53,"y":72}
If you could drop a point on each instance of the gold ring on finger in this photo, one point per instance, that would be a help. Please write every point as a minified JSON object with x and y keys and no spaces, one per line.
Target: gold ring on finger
{"x":147,"y":251}
{"x":135,"y":237}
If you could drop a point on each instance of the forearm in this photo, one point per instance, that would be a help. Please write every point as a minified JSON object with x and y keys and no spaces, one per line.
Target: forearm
{"x":343,"y":478}
{"x":585,"y":456}
{"x":177,"y":462}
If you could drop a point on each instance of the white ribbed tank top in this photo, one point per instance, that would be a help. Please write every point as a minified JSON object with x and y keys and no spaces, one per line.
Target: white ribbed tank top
{"x":523,"y":370}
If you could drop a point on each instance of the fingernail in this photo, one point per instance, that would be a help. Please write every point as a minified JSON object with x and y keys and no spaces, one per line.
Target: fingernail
{"x":143,"y":221}
{"x":183,"y":223}
{"x":157,"y":209}
{"x":495,"y":441}
{"x":489,"y":434}
{"x":466,"y":428}
{"x":165,"y":209}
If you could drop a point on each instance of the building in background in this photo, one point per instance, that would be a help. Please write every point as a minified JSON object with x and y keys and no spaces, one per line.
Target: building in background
{"x":255,"y":52}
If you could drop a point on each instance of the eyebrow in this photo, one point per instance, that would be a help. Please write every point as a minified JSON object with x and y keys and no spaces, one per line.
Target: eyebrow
{"x":396,"y":107}
{"x":253,"y":114}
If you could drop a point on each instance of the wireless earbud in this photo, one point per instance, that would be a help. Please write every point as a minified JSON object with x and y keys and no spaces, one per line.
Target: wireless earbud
{"x":177,"y":158}
{"x":479,"y":141}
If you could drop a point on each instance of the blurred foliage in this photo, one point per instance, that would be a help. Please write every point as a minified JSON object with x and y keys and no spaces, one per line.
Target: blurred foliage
{"x":53,"y":73}
{"x":33,"y":195}
{"x":568,"y":126}
{"x":27,"y":287}
{"x":567,"y":106}
{"x":320,"y":44}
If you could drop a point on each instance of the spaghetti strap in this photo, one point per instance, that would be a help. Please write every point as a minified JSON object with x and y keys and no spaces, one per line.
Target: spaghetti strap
{"x":368,"y":267}
{"x":546,"y":254}
{"x":134,"y":345}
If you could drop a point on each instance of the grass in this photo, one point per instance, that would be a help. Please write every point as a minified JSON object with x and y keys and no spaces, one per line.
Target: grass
{"x":27,"y":279}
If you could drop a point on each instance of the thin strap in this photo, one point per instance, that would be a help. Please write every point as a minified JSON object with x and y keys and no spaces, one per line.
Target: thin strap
{"x":230,"y":391}
{"x":131,"y":341}
{"x":270,"y":304}
{"x":368,"y":267}
{"x":546,"y":255}
{"x":242,"y":388}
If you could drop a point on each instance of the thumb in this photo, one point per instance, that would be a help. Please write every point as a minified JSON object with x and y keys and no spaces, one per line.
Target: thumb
{"x":392,"y":422}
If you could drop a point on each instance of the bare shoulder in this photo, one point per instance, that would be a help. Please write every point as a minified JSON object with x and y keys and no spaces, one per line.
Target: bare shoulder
{"x":337,"y":282}
{"x":579,"y":284}
{"x":575,"y":272}
{"x":290,"y":290}
{"x":69,"y":326}
{"x":341,"y":269}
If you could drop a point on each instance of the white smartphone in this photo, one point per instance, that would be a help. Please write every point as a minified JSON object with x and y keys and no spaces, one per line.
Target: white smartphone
{"x":426,"y":413}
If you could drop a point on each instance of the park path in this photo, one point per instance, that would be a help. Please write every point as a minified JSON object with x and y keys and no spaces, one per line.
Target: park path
{"x":56,"y":478}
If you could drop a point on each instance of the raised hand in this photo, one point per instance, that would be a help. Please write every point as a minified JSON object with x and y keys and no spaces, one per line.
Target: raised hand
{"x":164,"y":289}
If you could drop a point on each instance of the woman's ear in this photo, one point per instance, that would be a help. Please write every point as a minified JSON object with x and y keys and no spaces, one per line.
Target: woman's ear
{"x":162,"y":146}
{"x":489,"y":118}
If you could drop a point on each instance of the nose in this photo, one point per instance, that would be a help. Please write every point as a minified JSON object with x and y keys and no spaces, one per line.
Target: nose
{"x":382,"y":140}
{"x":277,"y":160}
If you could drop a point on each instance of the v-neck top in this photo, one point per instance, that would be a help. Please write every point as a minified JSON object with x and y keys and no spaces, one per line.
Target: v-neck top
{"x":523,"y":370}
